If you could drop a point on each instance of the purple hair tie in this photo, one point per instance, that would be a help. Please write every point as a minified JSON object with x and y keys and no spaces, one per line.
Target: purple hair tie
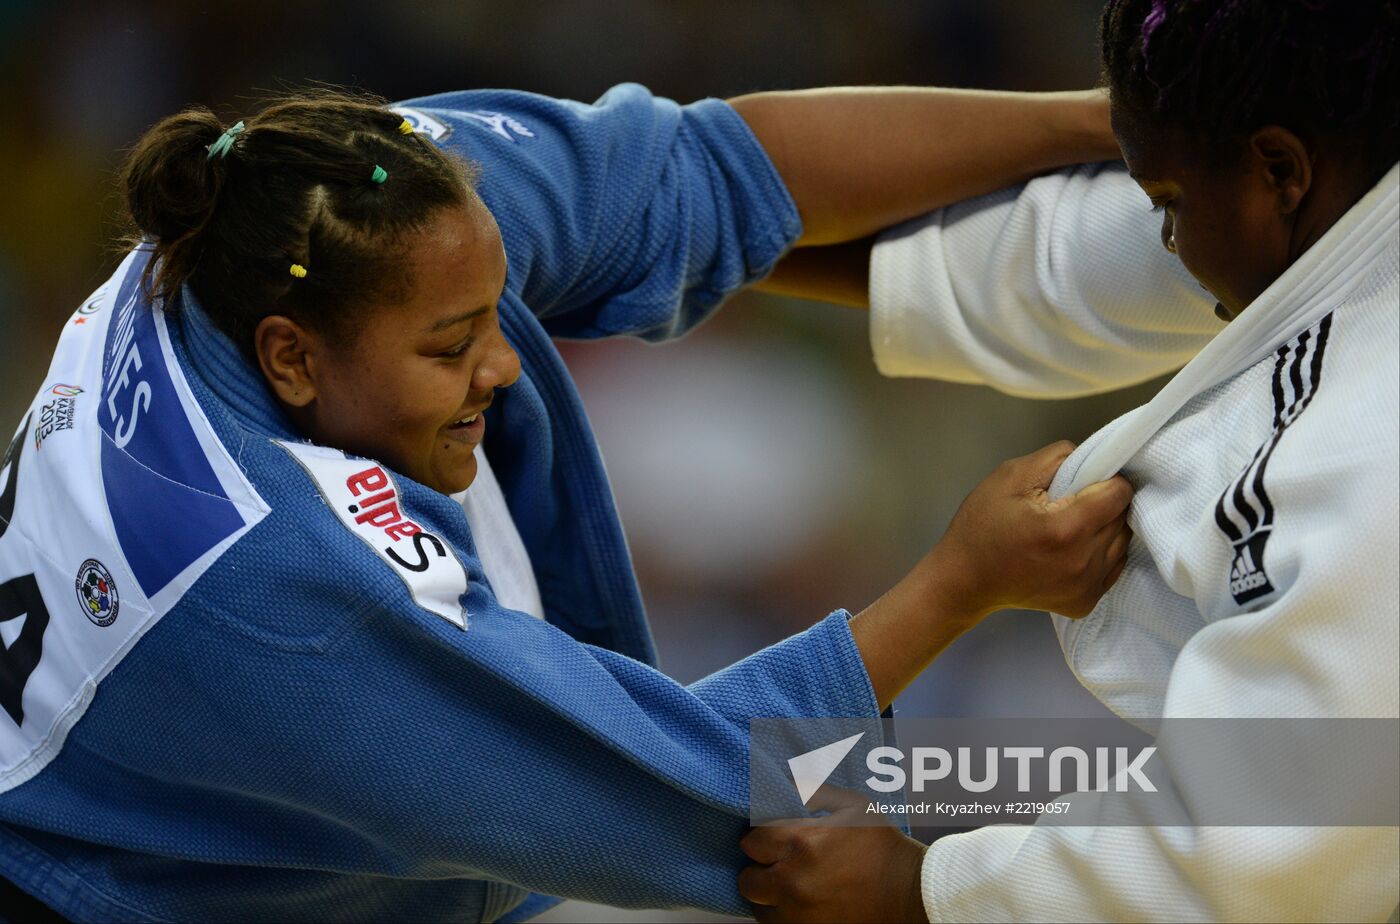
{"x":1154,"y":18}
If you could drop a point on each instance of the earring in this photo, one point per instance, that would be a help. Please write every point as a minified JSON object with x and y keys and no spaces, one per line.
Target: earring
{"x":1171,"y":242}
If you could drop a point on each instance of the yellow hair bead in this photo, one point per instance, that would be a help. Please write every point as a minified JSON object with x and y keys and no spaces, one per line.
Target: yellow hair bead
{"x":298,"y":271}
{"x":405,"y":127}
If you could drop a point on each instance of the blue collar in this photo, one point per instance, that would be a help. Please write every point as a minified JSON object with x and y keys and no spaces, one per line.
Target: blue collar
{"x":207,"y":353}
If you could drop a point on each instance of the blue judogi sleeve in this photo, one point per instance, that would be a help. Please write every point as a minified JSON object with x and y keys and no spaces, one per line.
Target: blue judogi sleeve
{"x":402,"y":748}
{"x":632,"y":215}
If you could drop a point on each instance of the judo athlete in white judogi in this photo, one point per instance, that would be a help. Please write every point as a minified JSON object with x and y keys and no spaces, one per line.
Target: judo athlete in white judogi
{"x":1262,"y":580}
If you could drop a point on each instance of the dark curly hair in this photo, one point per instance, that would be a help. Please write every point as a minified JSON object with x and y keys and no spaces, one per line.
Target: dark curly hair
{"x":295,"y":187}
{"x":1218,"y":69}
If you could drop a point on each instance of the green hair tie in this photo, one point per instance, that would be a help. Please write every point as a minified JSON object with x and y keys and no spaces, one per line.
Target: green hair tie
{"x":379,"y":175}
{"x":225,"y":141}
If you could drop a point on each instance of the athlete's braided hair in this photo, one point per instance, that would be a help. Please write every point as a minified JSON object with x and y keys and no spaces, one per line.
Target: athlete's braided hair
{"x":1221,"y":68}
{"x":295,"y":187}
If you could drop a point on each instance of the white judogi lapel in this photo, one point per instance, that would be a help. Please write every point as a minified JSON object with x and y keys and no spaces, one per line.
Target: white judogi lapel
{"x":1319,"y":281}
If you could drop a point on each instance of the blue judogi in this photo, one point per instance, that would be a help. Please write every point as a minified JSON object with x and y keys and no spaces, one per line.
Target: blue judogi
{"x":295,"y":737}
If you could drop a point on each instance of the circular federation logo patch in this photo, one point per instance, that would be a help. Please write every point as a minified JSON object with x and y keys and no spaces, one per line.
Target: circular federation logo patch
{"x":97,"y":592}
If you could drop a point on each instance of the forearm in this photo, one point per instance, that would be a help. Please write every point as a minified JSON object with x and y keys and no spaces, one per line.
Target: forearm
{"x":839,"y":274}
{"x":859,"y":159}
{"x":901,"y":633}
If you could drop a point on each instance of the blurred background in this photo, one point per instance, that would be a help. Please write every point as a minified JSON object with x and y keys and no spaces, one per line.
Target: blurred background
{"x":766,"y":474}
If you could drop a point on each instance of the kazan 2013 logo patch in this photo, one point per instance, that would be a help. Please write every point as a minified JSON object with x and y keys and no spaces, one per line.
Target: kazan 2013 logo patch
{"x":97,"y":593}
{"x":58,"y":414}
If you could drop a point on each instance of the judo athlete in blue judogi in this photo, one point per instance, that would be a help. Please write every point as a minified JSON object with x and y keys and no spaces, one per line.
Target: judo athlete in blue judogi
{"x":371,"y":645}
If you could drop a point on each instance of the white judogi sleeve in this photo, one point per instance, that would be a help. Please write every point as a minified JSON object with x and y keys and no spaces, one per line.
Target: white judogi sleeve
{"x":1057,"y":288}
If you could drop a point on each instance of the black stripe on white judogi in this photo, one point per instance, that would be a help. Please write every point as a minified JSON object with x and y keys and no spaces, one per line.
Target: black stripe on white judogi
{"x":1244,"y":511}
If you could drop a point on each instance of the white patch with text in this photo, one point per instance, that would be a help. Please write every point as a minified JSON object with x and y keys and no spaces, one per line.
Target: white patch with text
{"x":365,"y":499}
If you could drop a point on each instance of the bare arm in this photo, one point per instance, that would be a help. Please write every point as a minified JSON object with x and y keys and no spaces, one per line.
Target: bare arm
{"x":859,"y":159}
{"x":838,"y":273}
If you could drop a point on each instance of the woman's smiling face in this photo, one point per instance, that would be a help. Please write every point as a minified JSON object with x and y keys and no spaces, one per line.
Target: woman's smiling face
{"x":409,"y":385}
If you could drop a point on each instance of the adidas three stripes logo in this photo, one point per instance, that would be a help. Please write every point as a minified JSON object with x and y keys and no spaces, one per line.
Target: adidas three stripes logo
{"x":1244,"y":511}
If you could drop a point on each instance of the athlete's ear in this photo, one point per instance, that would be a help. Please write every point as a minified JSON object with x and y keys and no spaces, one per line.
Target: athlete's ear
{"x":1284,"y":163}
{"x":284,"y":348}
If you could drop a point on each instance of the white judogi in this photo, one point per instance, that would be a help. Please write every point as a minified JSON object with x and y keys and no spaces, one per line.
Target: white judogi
{"x":1264,"y":579}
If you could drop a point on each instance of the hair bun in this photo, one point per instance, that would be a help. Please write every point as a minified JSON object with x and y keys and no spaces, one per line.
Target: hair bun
{"x":171,"y":185}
